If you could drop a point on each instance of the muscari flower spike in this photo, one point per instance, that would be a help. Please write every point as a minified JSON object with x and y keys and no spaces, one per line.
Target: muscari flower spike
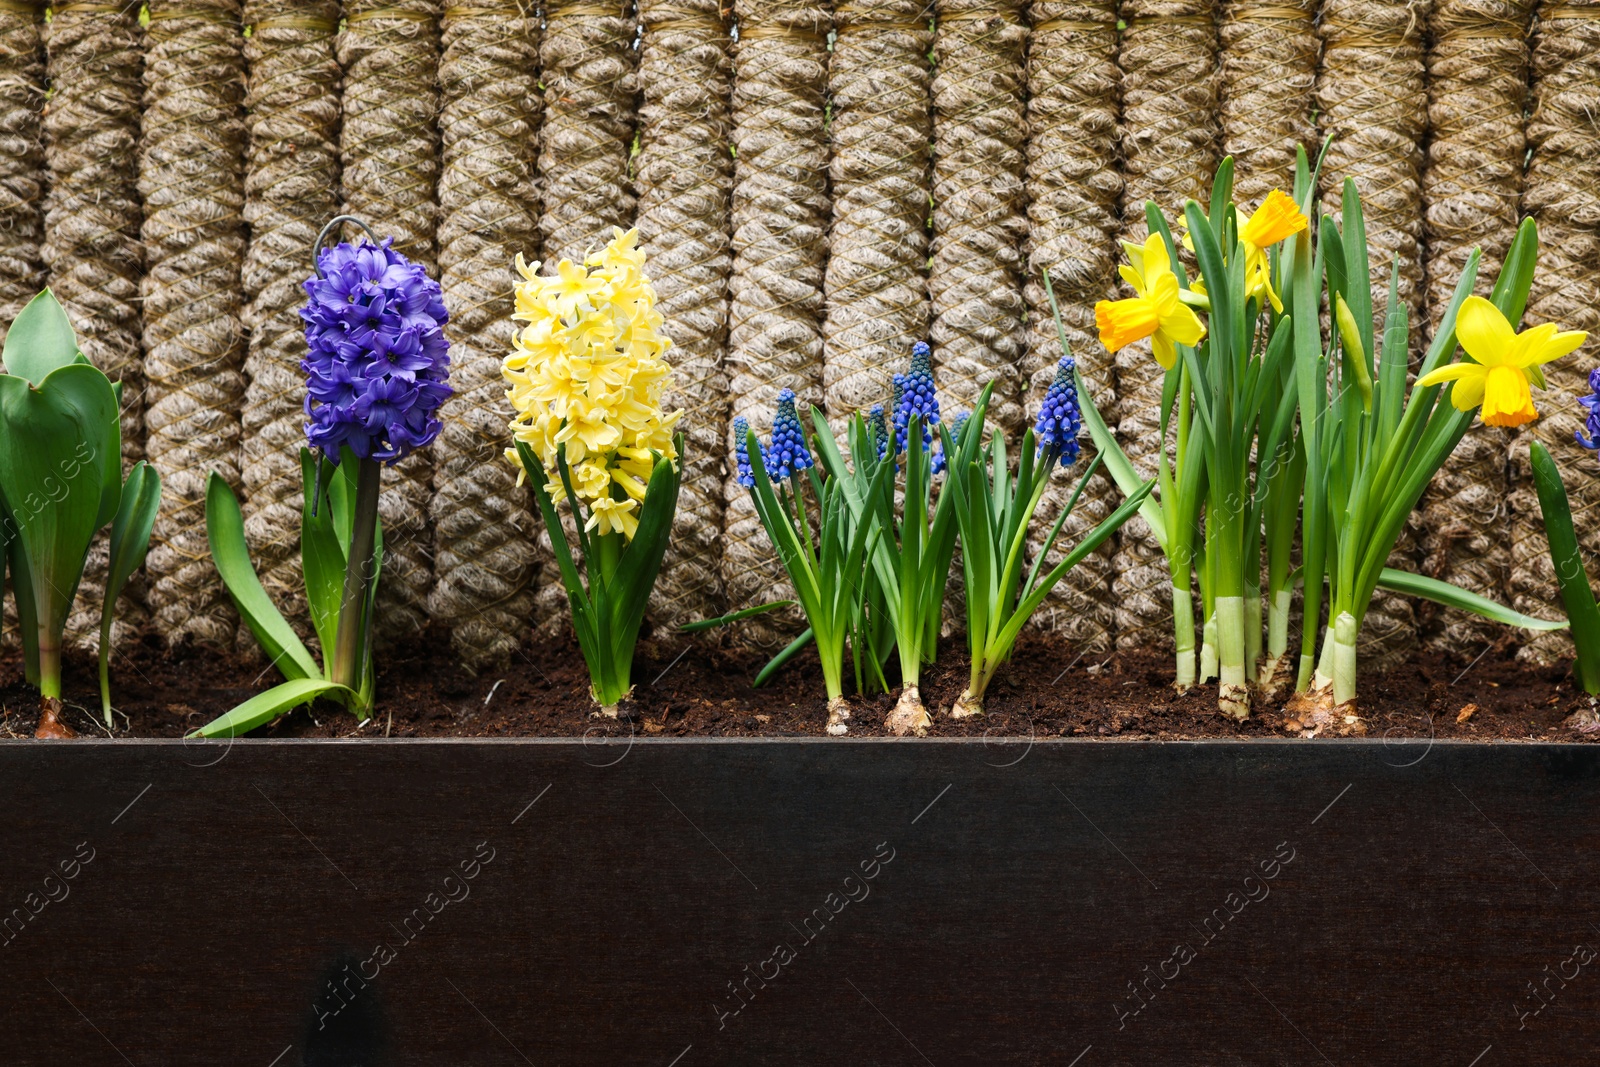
{"x":878,"y":427}
{"x":1060,"y":418}
{"x":958,"y":423}
{"x":788,"y":454}
{"x":914,"y":394}
{"x":741,"y":451}
{"x":1592,"y":423}
{"x":378,"y":363}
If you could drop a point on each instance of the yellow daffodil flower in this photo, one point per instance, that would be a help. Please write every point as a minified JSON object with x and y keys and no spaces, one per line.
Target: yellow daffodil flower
{"x":587,"y":373}
{"x":1277,"y":219}
{"x":1155,"y":312}
{"x":1497,"y":377}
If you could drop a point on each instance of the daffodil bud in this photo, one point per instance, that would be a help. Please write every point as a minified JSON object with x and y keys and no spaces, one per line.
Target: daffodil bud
{"x":1355,"y":354}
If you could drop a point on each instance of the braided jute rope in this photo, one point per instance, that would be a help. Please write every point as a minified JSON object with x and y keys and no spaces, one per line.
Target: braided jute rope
{"x":1170,"y":141}
{"x":91,"y":246}
{"x":188,"y":13}
{"x":590,"y":79}
{"x":390,"y":151}
{"x":1370,"y":91}
{"x":1559,"y":194}
{"x":22,"y":168}
{"x":1477,"y":88}
{"x":1074,"y":183}
{"x":294,"y":22}
{"x":1269,"y":67}
{"x":685,"y":178}
{"x":191,"y":174}
{"x":291,"y":189}
{"x":877,"y":297}
{"x":980,"y":200}
{"x":488,"y":197}
{"x":780,"y":213}
{"x":22,"y":181}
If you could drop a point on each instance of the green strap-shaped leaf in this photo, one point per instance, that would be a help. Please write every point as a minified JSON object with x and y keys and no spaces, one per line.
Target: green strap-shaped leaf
{"x":1453,"y":596}
{"x":263,"y":708}
{"x":733,"y":616}
{"x":776,"y":663}
{"x":1572,"y":579}
{"x":641,"y":558}
{"x":322,"y":554}
{"x":225,"y":531}
{"x":130,"y":542}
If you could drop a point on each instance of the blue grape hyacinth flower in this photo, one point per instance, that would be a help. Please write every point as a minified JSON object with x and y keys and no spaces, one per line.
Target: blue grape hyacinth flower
{"x":1060,"y":418}
{"x":787,"y":455}
{"x":378,"y":364}
{"x":741,"y":451}
{"x":878,"y":428}
{"x":958,"y":423}
{"x":914,"y":395}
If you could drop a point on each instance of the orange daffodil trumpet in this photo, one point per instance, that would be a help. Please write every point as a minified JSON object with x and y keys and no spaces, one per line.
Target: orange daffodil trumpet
{"x":1497,"y":378}
{"x":1156,"y":312}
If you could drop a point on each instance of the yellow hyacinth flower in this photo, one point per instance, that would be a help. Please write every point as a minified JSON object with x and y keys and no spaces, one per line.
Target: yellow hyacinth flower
{"x":613,"y":516}
{"x":1155,"y":312}
{"x":586,"y":374}
{"x":1497,"y":378}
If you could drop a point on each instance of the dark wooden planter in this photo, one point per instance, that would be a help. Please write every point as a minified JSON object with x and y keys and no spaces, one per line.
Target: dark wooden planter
{"x":684,"y":903}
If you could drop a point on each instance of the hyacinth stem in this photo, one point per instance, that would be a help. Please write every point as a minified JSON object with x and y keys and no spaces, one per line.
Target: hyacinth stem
{"x":1233,"y":689}
{"x":1345,"y":629}
{"x":354,"y":620}
{"x":1183,"y":635}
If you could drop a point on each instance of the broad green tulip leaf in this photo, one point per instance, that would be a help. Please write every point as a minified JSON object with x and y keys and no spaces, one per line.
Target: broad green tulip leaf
{"x":264,"y":708}
{"x":22,"y":591}
{"x":40,"y":340}
{"x":130,"y":542}
{"x":50,"y":479}
{"x":225,"y":531}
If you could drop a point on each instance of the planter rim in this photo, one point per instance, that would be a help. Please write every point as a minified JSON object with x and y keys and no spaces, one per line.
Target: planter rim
{"x":313,"y":742}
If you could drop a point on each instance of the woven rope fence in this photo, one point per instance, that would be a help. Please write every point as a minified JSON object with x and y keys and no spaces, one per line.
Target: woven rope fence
{"x":817,"y":185}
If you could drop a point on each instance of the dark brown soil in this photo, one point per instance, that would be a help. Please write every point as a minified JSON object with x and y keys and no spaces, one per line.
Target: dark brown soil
{"x":693,"y":688}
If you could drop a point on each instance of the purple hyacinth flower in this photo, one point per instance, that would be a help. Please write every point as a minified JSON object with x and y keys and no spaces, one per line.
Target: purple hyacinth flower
{"x":1592,"y":403}
{"x":377,"y":364}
